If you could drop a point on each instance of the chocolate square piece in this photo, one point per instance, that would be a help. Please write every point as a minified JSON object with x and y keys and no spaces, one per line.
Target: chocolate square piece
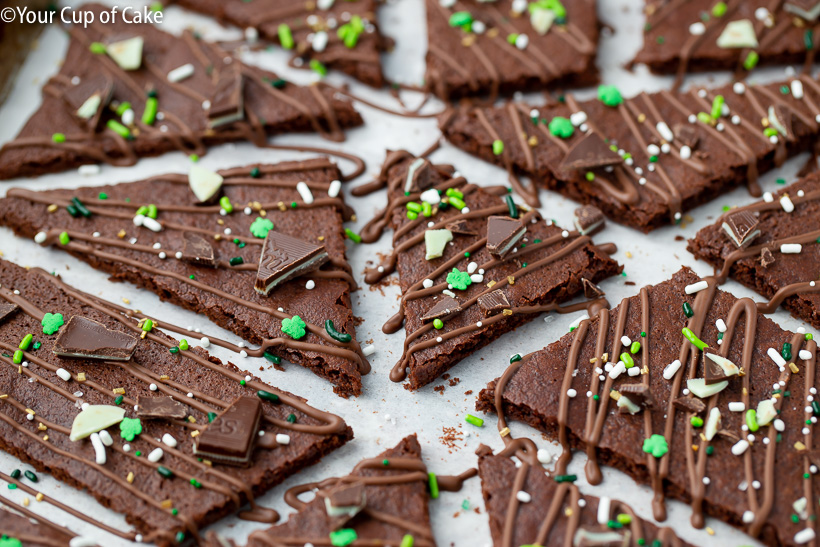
{"x":86,"y":338}
{"x":7,"y":310}
{"x":395,"y":497}
{"x":590,"y":152}
{"x":129,"y":463}
{"x":180,"y":97}
{"x":783,"y":261}
{"x":741,"y":227}
{"x":343,"y":36}
{"x":203,"y":260}
{"x":589,"y":219}
{"x":663,"y":173}
{"x":161,"y":407}
{"x":720,"y":447}
{"x":230,"y":437}
{"x":491,"y":48}
{"x":539,"y":267}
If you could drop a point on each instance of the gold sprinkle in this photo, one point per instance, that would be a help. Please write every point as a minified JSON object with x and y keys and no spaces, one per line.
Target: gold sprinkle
{"x":195,"y":433}
{"x":628,"y":254}
{"x":694,"y":448}
{"x":764,"y":122}
{"x":745,"y":391}
{"x":793,"y":368}
{"x":19,"y":370}
{"x":167,"y":504}
{"x":504,"y":432}
{"x":39,"y":496}
{"x":321,"y":238}
{"x":710,"y":531}
{"x":209,"y":463}
{"x":26,"y":501}
{"x":533,"y":141}
{"x":256,"y":205}
{"x":645,"y":370}
{"x":53,"y":207}
{"x":217,"y":237}
{"x":81,"y":376}
{"x":491,"y":284}
{"x":492,"y":33}
{"x":353,"y":217}
{"x":641,"y":117}
{"x":776,"y":396}
{"x":121,"y":234}
{"x":593,"y":360}
{"x":4,"y":396}
{"x":191,"y":420}
{"x":143,"y":334}
{"x":263,"y":213}
{"x":798,"y":22}
{"x":568,"y":511}
{"x":799,"y":446}
{"x":130,"y":477}
{"x":605,"y":357}
{"x":45,"y":437}
{"x":220,"y":222}
{"x":511,"y":279}
{"x":28,"y":410}
{"x":614,"y":395}
{"x":467,"y":41}
{"x":507,"y":312}
{"x":126,"y":301}
{"x":703,"y":437}
{"x":119,"y":390}
{"x":41,"y":426}
{"x":164,"y":377}
{"x":281,"y":206}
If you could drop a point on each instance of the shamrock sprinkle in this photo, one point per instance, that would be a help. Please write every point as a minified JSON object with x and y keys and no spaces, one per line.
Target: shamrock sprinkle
{"x":294,"y":327}
{"x":6,"y":541}
{"x":656,"y":445}
{"x":260,"y":227}
{"x":609,"y":95}
{"x":459,"y":280}
{"x":561,"y":127}
{"x":130,"y":428}
{"x":52,"y":322}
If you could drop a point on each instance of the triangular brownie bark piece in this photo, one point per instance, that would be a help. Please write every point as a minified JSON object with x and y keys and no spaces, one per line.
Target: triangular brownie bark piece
{"x":86,"y":428}
{"x":723,"y":447}
{"x":340,"y":35}
{"x":383,"y":500}
{"x":17,"y":530}
{"x":541,"y":269}
{"x":168,"y":102}
{"x":156,"y":234}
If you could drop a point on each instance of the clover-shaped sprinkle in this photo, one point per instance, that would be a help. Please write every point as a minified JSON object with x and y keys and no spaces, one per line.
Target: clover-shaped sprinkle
{"x":561,"y":127}
{"x":130,"y":428}
{"x":52,"y":322}
{"x":459,"y":280}
{"x":260,"y":227}
{"x":609,"y":95}
{"x":294,"y":327}
{"x":6,"y":541}
{"x":656,"y":445}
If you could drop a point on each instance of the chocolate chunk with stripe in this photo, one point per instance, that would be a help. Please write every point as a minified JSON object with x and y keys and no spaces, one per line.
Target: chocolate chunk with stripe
{"x":230,"y":438}
{"x":227,"y":104}
{"x":197,"y":250}
{"x":502,"y":235}
{"x":88,"y":339}
{"x":7,"y":310}
{"x":444,"y":308}
{"x":590,"y":152}
{"x":162,"y":406}
{"x":493,"y":302}
{"x":741,"y":227}
{"x":285,"y":257}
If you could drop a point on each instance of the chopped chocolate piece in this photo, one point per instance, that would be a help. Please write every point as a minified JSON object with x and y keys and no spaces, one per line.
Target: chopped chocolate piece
{"x":588,"y":219}
{"x":480,"y":48}
{"x":31,"y":530}
{"x":89,"y":98}
{"x":284,"y":257}
{"x":640,"y":394}
{"x":199,"y":492}
{"x":343,"y":502}
{"x":805,"y":9}
{"x":88,"y":339}
{"x":690,"y":404}
{"x":166,"y":114}
{"x":687,"y":134}
{"x":741,"y":227}
{"x":784,"y":254}
{"x":717,"y":368}
{"x":591,"y":152}
{"x":493,"y":302}
{"x":781,"y":118}
{"x":162,"y":406}
{"x":534,"y":279}
{"x":591,"y":290}
{"x":665,"y":448}
{"x":420,"y":176}
{"x":443,"y":309}
{"x":460,"y":227}
{"x":230,"y":438}
{"x":197,"y":250}
{"x":7,"y":310}
{"x":396,"y":496}
{"x":503,"y":233}
{"x":227,"y":102}
{"x":224,"y":293}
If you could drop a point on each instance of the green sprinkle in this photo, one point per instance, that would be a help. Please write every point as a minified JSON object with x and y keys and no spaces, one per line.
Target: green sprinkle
{"x":174,"y":350}
{"x":226,"y":204}
{"x":291,"y":418}
{"x":703,"y":117}
{"x":809,"y":336}
{"x":635,"y":347}
{"x":512,"y":208}
{"x":152,"y":211}
{"x":561,"y":127}
{"x":149,"y":115}
{"x":781,"y":181}
{"x":385,"y":462}
{"x":566,"y":478}
{"x":465,"y":504}
{"x":656,"y":445}
{"x":808,"y":39}
{"x":751,"y":60}
{"x":751,"y":420}
{"x":696,"y":421}
{"x":278,"y":83}
{"x":719,"y":9}
{"x":26,"y":342}
{"x":294,"y":327}
{"x":687,"y":309}
{"x":353,"y":236}
{"x":122,"y":108}
{"x":590,"y":176}
{"x":30,"y":475}
{"x":130,"y":428}
{"x":58,"y":137}
{"x":211,"y":416}
{"x":710,"y":450}
{"x":515,"y":358}
{"x":406,"y":541}
{"x":118,"y":400}
{"x":432,"y":484}
{"x":717,"y":106}
{"x":180,"y":537}
{"x":815,"y":408}
{"x":459,"y":280}
{"x":255,"y":173}
{"x":286,"y":36}
{"x":183,"y":344}
{"x":770,"y":132}
{"x":37,"y":345}
{"x":18,"y":357}
{"x":317,"y":67}
{"x":438,"y":323}
{"x":457,"y":203}
{"x":118,"y":128}
{"x":165,"y":472}
{"x":629,"y":362}
{"x":64,"y":238}
{"x":498,"y":147}
{"x":511,"y":38}
{"x":610,"y":95}
{"x":195,"y":483}
{"x":343,"y":537}
{"x":461,"y":19}
{"x":426,"y":209}
{"x":470,"y":419}
{"x":52,"y":322}
{"x":236,"y":261}
{"x":689,"y":335}
{"x":275,"y":359}
{"x":260,"y":227}
{"x":624,"y":519}
{"x":242,"y":382}
{"x":16,"y":474}
{"x":97,"y":48}
{"x":413,"y":206}
{"x":786,"y":352}
{"x":148,"y":325}
{"x":155,"y":6}
{"x":102,"y":195}
{"x":336,"y":335}
{"x":12,"y":487}
{"x":614,"y":524}
{"x":267,"y":396}
{"x":412,"y":215}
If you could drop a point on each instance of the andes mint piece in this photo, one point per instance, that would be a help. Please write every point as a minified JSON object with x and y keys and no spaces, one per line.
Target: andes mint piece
{"x":160,"y":407}
{"x":689,"y":404}
{"x":589,"y":153}
{"x":88,"y":339}
{"x":7,"y":309}
{"x":639,"y":394}
{"x":741,"y":227}
{"x":344,"y":501}
{"x":687,"y":134}
{"x":766,"y":257}
{"x":717,"y":368}
{"x":227,"y":102}
{"x":197,"y":250}
{"x":588,"y":219}
{"x":780,"y":117}
{"x":805,"y":9}
{"x":502,"y":235}
{"x":591,"y":290}
{"x":460,"y":227}
{"x":599,"y":536}
{"x":493,"y":302}
{"x":229,"y":439}
{"x":88,"y":99}
{"x":420,"y":175}
{"x":444,"y":308}
{"x":126,"y":51}
{"x":284,"y":257}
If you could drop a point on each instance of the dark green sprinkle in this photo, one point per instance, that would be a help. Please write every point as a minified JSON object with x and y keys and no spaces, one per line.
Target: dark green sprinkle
{"x":513,"y":208}
{"x":16,"y":474}
{"x":174,"y":349}
{"x":687,"y":310}
{"x":278,"y":83}
{"x":81,"y":208}
{"x":710,"y":450}
{"x":180,"y":537}
{"x":165,"y":472}
{"x":566,"y":478}
{"x":267,"y":396}
{"x":786,"y":352}
{"x":72,"y":210}
{"x":37,"y":345}
{"x":118,"y":400}
{"x":291,"y":418}
{"x":815,"y":408}
{"x":211,"y":417}
{"x":516,"y":357}
{"x":30,"y":476}
{"x":336,"y":335}
{"x":236,"y":261}
{"x":275,"y":359}
{"x":255,"y":172}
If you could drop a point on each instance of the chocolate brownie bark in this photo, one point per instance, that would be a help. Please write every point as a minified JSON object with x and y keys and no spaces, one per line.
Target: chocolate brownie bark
{"x":691,"y":391}
{"x":213,"y":243}
{"x":132,"y":433}
{"x":770,"y":246}
{"x":382,"y":502}
{"x":492,"y":48}
{"x":16,"y":530}
{"x":683,"y":36}
{"x":645,"y":160}
{"x":472,"y":264}
{"x":126,"y":91}
{"x":527,"y":507}
{"x":340,"y":35}
{"x":17,"y":40}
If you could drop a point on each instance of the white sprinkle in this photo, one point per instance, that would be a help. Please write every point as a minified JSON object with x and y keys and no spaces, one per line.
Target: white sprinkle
{"x":243,"y":353}
{"x":206,"y":104}
{"x":697,"y":29}
{"x":791,"y":248}
{"x":479,"y":324}
{"x":169,"y":440}
{"x":162,"y":255}
{"x":153,"y":387}
{"x":310,"y":285}
{"x":696,"y":287}
{"x":739,"y":88}
{"x":251,"y":35}
{"x":692,"y":118}
{"x":155,"y":455}
{"x":666,"y":133}
{"x":151,"y":224}
{"x":721,"y":325}
{"x":653,"y":149}
{"x":804,"y":536}
{"x":439,"y":339}
{"x":105,"y":437}
{"x":281,"y":438}
{"x":775,"y":356}
{"x":720,"y":127}
{"x":334,"y":189}
{"x":427,"y":283}
{"x":617,"y":370}
{"x":543,"y":456}
{"x":304,"y":191}
{"x":534,"y":114}
{"x":126,"y":447}
{"x":523,"y":497}
{"x":320,"y":40}
{"x":247,"y":210}
{"x":522,"y":41}
{"x":604,"y":509}
{"x":89,"y":170}
{"x":99,"y":449}
{"x":779,"y":425}
{"x":369,"y":349}
{"x":571,"y":393}
{"x":578,"y":118}
{"x":472,"y":267}
{"x":702,"y":93}
{"x":768,"y":197}
{"x":740,"y":447}
{"x":804,"y":354}
{"x":685,"y":152}
{"x":190,"y":395}
{"x":30,"y":417}
{"x":665,"y":148}
{"x":786,"y":203}
{"x":625,"y":340}
{"x":761,"y":14}
{"x":748,"y":517}
{"x":797,"y":89}
{"x":477,"y":278}
{"x":706,"y":480}
{"x":181,"y":73}
{"x":63,"y":374}
{"x":671,"y":369}
{"x":178,"y":255}
{"x":128,"y":117}
{"x":773,"y":139}
{"x":737,"y":406}
{"x":736,"y":120}
{"x":204,"y":342}
{"x":565,"y":234}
